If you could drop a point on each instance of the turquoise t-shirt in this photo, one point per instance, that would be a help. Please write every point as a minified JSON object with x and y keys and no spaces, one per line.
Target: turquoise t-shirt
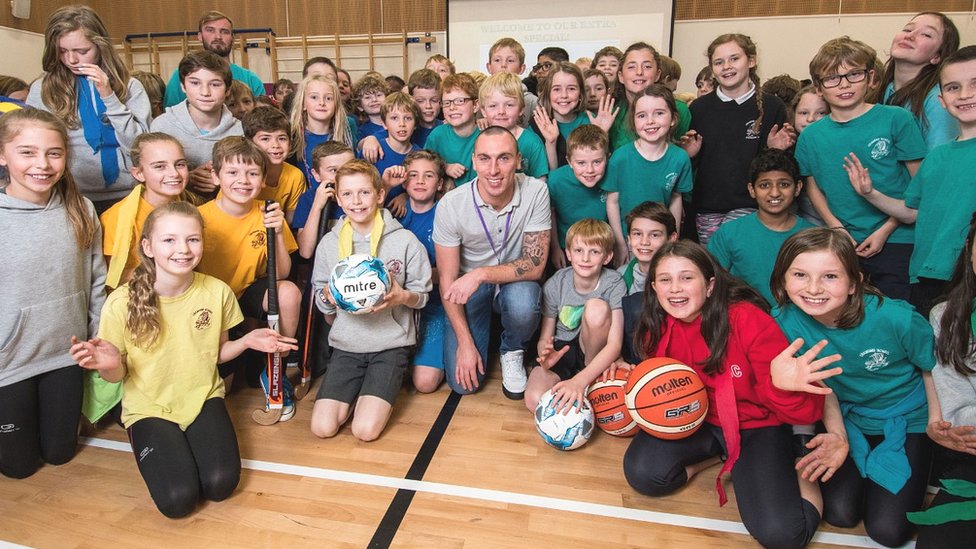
{"x":883,"y":357}
{"x":573,"y":201}
{"x":748,"y":249}
{"x":621,"y":135}
{"x":939,"y":127}
{"x":533,"y":151}
{"x":454,"y":149}
{"x":638,"y":179}
{"x":566,"y":128}
{"x":944,"y":193}
{"x":883,"y":138}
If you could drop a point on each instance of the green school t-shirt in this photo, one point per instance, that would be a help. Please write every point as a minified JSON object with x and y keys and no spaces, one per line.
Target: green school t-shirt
{"x":573,"y":201}
{"x":533,"y":151}
{"x":944,"y":193}
{"x":883,"y":357}
{"x":566,"y":128}
{"x":748,"y":249}
{"x":621,"y":135}
{"x":883,"y":138}
{"x":453,"y":148}
{"x":638,"y":179}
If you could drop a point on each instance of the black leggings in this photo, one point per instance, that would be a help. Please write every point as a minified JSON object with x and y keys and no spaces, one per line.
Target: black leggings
{"x":39,"y":421}
{"x":957,"y":534}
{"x":178,"y":466}
{"x":849,"y":497}
{"x":765,"y":482}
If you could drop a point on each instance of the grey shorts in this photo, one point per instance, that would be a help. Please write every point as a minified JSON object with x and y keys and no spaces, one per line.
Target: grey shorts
{"x":351,"y":375}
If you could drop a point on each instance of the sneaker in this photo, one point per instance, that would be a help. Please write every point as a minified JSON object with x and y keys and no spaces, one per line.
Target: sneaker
{"x":288,"y":395}
{"x":513,"y":375}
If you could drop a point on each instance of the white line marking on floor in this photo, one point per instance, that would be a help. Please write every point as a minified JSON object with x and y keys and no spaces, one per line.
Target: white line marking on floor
{"x":598,"y":509}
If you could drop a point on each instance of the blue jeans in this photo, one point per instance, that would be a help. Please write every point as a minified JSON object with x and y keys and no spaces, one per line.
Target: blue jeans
{"x":518,"y":304}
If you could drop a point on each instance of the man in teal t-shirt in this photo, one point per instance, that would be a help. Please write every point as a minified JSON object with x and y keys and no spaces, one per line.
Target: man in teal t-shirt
{"x":216,"y":34}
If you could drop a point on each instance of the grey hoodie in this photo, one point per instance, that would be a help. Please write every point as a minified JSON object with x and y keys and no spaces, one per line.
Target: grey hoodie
{"x":406,"y":261}
{"x":957,"y":393}
{"x":128,"y":119}
{"x":51,"y":290}
{"x":198,"y":146}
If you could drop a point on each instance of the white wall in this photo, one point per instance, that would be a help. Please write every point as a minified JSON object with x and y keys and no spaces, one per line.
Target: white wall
{"x":786,"y":44}
{"x":21,"y":56}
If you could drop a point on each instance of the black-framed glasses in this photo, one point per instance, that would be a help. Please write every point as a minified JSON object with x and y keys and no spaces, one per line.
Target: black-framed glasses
{"x":852,"y":77}
{"x":542,"y":66}
{"x":460,"y":102}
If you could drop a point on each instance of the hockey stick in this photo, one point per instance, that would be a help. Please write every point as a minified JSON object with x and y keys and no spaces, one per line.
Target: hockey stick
{"x":274,"y":402}
{"x":311,"y":319}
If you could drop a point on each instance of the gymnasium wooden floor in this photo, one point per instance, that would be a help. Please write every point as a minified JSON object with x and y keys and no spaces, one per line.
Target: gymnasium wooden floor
{"x":488,"y":481}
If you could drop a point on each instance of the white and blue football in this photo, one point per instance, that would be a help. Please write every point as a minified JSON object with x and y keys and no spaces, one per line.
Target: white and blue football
{"x":562,"y":431}
{"x":358,"y":283}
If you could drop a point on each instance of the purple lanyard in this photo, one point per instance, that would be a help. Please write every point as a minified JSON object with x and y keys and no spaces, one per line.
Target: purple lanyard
{"x":508,"y":224}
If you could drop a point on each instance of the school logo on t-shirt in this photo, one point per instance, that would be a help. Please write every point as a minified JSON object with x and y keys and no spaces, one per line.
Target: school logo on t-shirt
{"x":880,"y":147}
{"x":669,"y":181}
{"x":874,"y":359}
{"x":394,"y":267}
{"x":751,"y":132}
{"x":603,"y":197}
{"x":259,"y":239}
{"x":203,"y":318}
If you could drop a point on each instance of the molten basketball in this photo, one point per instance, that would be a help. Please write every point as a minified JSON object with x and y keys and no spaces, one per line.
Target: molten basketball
{"x":666,"y":398}
{"x":609,"y":408}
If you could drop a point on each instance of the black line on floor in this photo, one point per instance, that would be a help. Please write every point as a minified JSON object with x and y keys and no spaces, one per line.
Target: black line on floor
{"x":390,"y":523}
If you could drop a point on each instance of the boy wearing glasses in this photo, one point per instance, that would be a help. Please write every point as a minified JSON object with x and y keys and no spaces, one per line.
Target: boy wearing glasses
{"x":454,"y":140}
{"x":884,"y":140}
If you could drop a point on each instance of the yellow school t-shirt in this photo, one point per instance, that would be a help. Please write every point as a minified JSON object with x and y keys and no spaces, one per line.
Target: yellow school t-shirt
{"x":235,"y":249}
{"x":291,"y":185}
{"x":110,"y":228}
{"x":172,"y":379}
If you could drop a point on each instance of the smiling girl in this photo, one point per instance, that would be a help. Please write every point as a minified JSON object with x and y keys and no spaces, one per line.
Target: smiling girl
{"x":53,"y":287}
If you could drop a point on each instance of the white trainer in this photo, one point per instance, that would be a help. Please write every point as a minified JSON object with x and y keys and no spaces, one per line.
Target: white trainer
{"x":513,"y":375}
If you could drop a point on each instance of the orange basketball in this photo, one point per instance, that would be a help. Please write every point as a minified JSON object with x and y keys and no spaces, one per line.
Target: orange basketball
{"x":609,"y":408}
{"x":666,"y":398}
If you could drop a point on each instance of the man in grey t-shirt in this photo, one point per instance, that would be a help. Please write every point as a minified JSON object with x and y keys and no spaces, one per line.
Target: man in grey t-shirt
{"x":491,"y":237}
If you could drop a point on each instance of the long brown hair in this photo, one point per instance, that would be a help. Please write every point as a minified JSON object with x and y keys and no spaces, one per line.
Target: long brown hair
{"x":749,"y":47}
{"x":77,"y":208}
{"x":715,"y":311}
{"x":913,"y":93}
{"x":956,"y":345}
{"x":142,"y":313}
{"x":58,"y":88}
{"x":838,"y":243}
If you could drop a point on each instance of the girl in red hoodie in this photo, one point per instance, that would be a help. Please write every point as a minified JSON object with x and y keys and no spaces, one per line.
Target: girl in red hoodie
{"x":700,"y":315}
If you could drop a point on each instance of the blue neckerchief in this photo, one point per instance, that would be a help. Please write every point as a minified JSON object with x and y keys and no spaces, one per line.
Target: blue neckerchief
{"x":99,"y":133}
{"x":887,"y":464}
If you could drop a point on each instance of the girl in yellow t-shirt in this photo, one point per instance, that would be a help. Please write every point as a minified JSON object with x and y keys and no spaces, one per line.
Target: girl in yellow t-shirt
{"x":162,"y":335}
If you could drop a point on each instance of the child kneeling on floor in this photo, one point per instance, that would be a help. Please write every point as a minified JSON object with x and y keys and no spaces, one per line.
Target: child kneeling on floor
{"x":370,"y":351}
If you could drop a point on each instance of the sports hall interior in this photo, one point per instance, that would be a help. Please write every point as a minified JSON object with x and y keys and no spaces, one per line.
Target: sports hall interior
{"x":449,"y":471}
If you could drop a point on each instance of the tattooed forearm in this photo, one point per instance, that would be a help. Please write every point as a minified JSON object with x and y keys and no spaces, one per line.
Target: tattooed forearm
{"x":535,"y":252}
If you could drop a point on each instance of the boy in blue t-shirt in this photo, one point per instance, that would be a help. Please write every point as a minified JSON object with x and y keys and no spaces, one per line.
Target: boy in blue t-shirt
{"x":942,"y":196}
{"x":400,"y":115}
{"x":424,"y":181}
{"x":425,"y":88}
{"x":883,"y":139}
{"x":574,"y":189}
{"x":747,"y":246}
{"x":327,"y":158}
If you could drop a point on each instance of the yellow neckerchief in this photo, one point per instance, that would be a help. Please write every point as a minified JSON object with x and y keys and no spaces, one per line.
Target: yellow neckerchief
{"x":345,"y":236}
{"x":124,"y":226}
